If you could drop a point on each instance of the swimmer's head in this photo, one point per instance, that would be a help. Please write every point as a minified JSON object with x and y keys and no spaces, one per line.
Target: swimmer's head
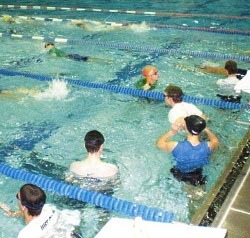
{"x":174,"y":92}
{"x":151,"y":74}
{"x":231,"y":67}
{"x":93,"y":141}
{"x":7,"y":18}
{"x":195,"y":124}
{"x":33,"y":198}
{"x":49,"y":45}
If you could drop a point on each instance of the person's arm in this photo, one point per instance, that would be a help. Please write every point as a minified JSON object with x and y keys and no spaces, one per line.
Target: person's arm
{"x":213,"y":70}
{"x":163,"y":142}
{"x":9,"y":212}
{"x":213,"y":140}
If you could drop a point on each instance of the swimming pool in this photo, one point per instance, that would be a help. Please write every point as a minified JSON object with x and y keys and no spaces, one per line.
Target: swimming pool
{"x":53,"y":130}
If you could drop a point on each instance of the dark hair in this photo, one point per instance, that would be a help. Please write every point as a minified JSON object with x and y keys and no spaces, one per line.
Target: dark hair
{"x":195,"y":124}
{"x":48,"y":43}
{"x":33,"y":198}
{"x":231,"y":67}
{"x":174,"y":92}
{"x":93,"y":141}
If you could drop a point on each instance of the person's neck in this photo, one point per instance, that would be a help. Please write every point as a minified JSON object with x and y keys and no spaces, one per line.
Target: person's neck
{"x":231,"y":75}
{"x":93,"y":157}
{"x":28,"y":218}
{"x":193,"y":139}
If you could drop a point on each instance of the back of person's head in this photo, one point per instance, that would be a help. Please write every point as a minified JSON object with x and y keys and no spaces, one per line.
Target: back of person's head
{"x":231,"y":67}
{"x":48,"y":44}
{"x":195,"y":124}
{"x":33,"y":198}
{"x":93,"y":141}
{"x":174,"y":92}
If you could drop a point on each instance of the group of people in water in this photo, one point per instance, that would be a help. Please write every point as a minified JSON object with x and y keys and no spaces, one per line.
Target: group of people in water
{"x":189,"y":156}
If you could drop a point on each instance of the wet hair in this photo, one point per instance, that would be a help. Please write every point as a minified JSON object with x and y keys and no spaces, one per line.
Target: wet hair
{"x":174,"y":92}
{"x":195,"y":124}
{"x":231,"y":67}
{"x":93,"y":141}
{"x":33,"y":198}
{"x":48,"y":43}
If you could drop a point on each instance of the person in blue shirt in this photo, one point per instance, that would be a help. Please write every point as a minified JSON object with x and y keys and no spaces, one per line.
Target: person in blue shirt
{"x":190,"y":155}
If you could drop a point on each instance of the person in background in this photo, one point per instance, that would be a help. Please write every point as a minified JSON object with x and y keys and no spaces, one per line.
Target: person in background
{"x":190,"y":155}
{"x":42,"y":220}
{"x":179,"y":110}
{"x":228,"y":92}
{"x":150,"y":77}
{"x":93,"y":166}
{"x":207,"y":68}
{"x":8,"y":19}
{"x":55,"y":52}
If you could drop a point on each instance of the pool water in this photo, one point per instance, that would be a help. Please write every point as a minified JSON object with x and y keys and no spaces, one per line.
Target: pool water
{"x":52,"y":130}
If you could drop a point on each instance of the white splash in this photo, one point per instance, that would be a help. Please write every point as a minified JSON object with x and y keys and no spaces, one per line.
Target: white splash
{"x":143,"y":27}
{"x":57,"y":90}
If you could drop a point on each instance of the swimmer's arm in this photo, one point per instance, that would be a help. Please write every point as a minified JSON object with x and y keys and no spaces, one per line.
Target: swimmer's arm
{"x":213,"y":70}
{"x":146,"y":86}
{"x":163,"y":142}
{"x":179,"y":124}
{"x":204,"y":117}
{"x":8,"y":211}
{"x":213,"y":140}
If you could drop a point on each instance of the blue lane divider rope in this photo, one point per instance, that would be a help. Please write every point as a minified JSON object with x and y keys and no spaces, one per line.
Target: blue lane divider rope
{"x":159,"y":26}
{"x":210,"y":55}
{"x":137,"y":12}
{"x":84,"y":195}
{"x":132,"y":91}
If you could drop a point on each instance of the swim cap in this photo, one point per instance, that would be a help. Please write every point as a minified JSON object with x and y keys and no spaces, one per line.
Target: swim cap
{"x":147,"y":70}
{"x":195,"y":124}
{"x":7,"y":18}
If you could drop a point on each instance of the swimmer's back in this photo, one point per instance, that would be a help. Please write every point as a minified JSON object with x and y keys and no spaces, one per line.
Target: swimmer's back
{"x":102,"y":170}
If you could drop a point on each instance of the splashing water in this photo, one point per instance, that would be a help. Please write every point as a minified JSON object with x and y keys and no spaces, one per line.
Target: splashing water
{"x":57,"y":90}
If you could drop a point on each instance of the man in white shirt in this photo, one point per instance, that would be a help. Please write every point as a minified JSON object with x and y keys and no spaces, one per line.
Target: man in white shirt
{"x":231,"y":86}
{"x":43,"y":220}
{"x":173,"y":97}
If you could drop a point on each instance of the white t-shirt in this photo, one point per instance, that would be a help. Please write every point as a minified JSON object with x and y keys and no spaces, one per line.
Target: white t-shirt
{"x":226,"y":85}
{"x":41,"y":224}
{"x":243,"y":84}
{"x":51,"y":223}
{"x":183,"y":109}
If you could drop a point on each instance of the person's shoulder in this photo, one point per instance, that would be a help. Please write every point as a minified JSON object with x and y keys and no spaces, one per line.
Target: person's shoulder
{"x":140,"y":83}
{"x":108,"y":170}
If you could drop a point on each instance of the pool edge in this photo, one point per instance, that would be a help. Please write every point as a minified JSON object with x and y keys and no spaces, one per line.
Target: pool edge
{"x":202,"y":212}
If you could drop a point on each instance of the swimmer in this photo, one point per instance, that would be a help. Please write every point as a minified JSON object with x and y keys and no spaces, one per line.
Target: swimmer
{"x":57,"y":90}
{"x":179,"y":110}
{"x":190,"y":155}
{"x":215,"y":69}
{"x":103,"y":26}
{"x":53,"y":51}
{"x":237,"y":80}
{"x":8,"y":19}
{"x":17,"y":92}
{"x":42,"y":220}
{"x":93,"y":166}
{"x":150,"y":77}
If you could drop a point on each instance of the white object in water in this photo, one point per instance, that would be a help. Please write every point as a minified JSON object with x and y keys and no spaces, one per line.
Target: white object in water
{"x":57,"y":90}
{"x":243,"y":84}
{"x":128,"y":228}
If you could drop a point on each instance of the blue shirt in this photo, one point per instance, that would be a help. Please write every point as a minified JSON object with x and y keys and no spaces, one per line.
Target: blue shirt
{"x":189,"y":157}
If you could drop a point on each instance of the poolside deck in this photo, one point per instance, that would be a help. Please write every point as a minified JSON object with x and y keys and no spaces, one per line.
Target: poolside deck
{"x":234,"y":214}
